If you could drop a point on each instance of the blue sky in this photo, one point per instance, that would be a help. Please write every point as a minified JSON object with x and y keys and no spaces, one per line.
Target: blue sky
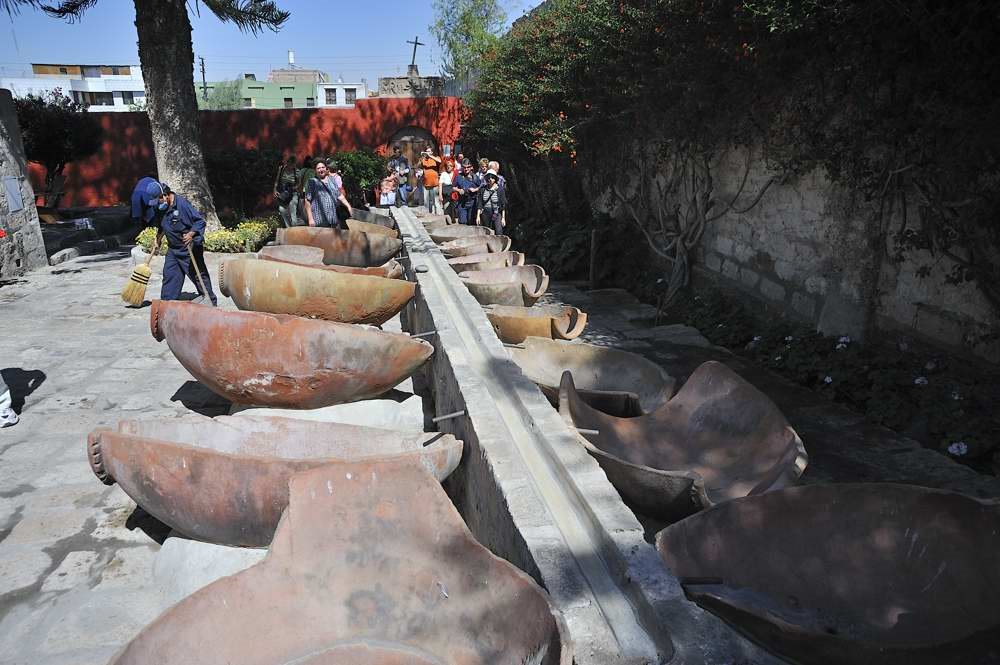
{"x":342,"y":37}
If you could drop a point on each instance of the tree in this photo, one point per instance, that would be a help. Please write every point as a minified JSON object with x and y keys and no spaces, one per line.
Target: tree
{"x":466,"y":30}
{"x":225,"y":96}
{"x":167,"y":59}
{"x":56,"y":131}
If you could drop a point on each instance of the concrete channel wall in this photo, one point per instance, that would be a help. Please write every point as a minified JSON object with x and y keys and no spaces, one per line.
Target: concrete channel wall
{"x":532,"y":494}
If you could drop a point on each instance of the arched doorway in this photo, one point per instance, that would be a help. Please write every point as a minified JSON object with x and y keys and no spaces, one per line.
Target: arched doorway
{"x":412,"y":141}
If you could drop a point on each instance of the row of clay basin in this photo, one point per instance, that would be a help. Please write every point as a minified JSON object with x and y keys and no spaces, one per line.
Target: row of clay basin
{"x":368,"y":560}
{"x":499,"y":280}
{"x":844,"y":573}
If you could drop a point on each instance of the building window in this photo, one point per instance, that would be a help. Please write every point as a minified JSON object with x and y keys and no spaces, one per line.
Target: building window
{"x":116,"y":71}
{"x":128,"y":97}
{"x":350,"y":95}
{"x":248,"y":102}
{"x":288,"y":102}
{"x":104,"y":98}
{"x":310,"y":101}
{"x":331,"y":96}
{"x":63,"y":70}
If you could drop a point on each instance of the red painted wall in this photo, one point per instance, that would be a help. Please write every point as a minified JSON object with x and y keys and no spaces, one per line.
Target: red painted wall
{"x":108,"y":177}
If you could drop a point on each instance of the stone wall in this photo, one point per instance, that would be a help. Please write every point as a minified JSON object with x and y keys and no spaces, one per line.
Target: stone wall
{"x":807,"y":250}
{"x":22,"y":248}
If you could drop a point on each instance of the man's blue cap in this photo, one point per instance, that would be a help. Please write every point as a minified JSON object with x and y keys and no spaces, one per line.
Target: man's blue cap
{"x":154,"y":190}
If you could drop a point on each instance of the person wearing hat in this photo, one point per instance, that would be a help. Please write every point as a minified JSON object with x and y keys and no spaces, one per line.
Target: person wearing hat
{"x":468,"y":194}
{"x":492,"y":203}
{"x":184,"y":228}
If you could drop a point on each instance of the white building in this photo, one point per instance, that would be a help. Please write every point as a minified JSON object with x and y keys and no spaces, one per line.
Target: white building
{"x":340,"y":94}
{"x":99,"y":87}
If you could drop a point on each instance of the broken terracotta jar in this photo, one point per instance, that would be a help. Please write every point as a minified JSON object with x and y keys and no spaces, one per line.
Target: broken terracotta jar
{"x":854,"y":574}
{"x":342,"y":248}
{"x":225,"y":480}
{"x":366,"y":227}
{"x":284,"y":361}
{"x":391,"y":268}
{"x":475,"y":245}
{"x":486,"y":261}
{"x":372,"y":217}
{"x":302,"y":254}
{"x":284,"y":288}
{"x":371,"y":563}
{"x":516,"y":285}
{"x":613,"y":381}
{"x":513,"y":323}
{"x":455,"y":231}
{"x":718,"y":438}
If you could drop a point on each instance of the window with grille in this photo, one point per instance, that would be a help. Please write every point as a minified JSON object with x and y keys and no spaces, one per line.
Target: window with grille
{"x":331,"y":96}
{"x":350,"y":95}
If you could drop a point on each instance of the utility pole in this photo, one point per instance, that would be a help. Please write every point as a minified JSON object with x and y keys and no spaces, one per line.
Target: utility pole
{"x":204,"y":84}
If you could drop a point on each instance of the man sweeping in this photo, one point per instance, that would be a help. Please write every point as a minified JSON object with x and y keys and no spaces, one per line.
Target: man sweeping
{"x":184,"y":228}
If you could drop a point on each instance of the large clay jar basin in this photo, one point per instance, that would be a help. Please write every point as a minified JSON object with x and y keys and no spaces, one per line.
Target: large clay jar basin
{"x":343,"y":248}
{"x":226,"y":480}
{"x":293,"y":254}
{"x":517,"y":285}
{"x":610,"y":380}
{"x":513,"y":324}
{"x":373,"y":218}
{"x":475,"y":245}
{"x":366,"y":227}
{"x":859,"y":574}
{"x":486,"y":261}
{"x":391,"y":268}
{"x":455,"y":231}
{"x":719,"y":438}
{"x":284,"y":361}
{"x":368,"y":555}
{"x":283,"y":288}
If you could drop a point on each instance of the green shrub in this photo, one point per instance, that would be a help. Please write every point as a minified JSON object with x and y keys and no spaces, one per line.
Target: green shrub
{"x":248,"y":236}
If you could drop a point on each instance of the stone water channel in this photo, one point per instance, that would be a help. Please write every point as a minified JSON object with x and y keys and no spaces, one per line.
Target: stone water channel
{"x":460,"y":518}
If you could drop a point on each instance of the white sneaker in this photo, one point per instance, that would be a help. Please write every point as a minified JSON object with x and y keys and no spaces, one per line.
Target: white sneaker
{"x":8,"y":417}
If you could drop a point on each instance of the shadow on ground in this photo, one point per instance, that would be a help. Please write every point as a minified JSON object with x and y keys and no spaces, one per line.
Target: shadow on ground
{"x":200,"y":399}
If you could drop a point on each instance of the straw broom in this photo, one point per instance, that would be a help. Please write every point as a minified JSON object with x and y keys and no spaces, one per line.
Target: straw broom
{"x":134,"y":292}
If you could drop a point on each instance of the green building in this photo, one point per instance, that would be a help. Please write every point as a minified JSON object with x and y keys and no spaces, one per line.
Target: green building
{"x":254,"y":94}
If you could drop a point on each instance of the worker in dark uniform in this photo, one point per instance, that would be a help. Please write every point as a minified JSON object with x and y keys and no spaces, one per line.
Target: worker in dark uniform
{"x":183,"y":226}
{"x":142,"y":212}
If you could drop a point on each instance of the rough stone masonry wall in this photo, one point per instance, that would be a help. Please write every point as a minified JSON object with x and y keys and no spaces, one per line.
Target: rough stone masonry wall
{"x":805,"y":250}
{"x":22,"y":249}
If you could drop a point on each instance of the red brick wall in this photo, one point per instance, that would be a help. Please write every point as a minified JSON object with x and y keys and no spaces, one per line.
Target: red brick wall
{"x":107,"y":178}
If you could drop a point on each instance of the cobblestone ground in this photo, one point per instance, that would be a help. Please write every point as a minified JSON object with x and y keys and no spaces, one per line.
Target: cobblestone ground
{"x":75,"y":560}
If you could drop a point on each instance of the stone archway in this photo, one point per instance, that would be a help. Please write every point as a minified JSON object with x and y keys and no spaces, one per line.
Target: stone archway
{"x":412,"y":140}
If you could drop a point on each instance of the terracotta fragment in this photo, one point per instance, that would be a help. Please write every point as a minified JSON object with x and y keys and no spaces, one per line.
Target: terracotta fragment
{"x":613,"y":381}
{"x":284,"y":288}
{"x":513,"y":323}
{"x":455,"y":231}
{"x":372,"y":217}
{"x":343,"y":248}
{"x":517,"y":285}
{"x":284,"y":361}
{"x":391,"y":268}
{"x":486,"y":261}
{"x":356,"y":574}
{"x":854,"y":574}
{"x":719,"y":438}
{"x":365,"y":227}
{"x":302,"y":254}
{"x":475,"y":245}
{"x":225,"y":480}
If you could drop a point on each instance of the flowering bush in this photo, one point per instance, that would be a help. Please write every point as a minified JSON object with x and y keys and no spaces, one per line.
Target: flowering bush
{"x":248,"y":236}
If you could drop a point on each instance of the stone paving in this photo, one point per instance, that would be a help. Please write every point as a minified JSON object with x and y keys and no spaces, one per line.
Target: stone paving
{"x":76,"y":556}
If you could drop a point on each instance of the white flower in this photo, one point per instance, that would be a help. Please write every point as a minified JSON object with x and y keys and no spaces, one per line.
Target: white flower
{"x":959,"y":448}
{"x":720,"y":325}
{"x":827,"y":379}
{"x":777,"y":357}
{"x":844,"y":339}
{"x":789,"y":339}
{"x":920,"y":381}
{"x":757,"y":338}
{"x":840,"y":346}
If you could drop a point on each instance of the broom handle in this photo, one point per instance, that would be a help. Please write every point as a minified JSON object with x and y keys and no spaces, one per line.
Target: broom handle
{"x":156,"y":246}
{"x":197,"y":270}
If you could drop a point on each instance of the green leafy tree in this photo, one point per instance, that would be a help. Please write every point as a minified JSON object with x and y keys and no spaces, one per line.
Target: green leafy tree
{"x":467,"y":30}
{"x":361,"y":169}
{"x":167,"y":58}
{"x":56,"y":131}
{"x":225,"y":96}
